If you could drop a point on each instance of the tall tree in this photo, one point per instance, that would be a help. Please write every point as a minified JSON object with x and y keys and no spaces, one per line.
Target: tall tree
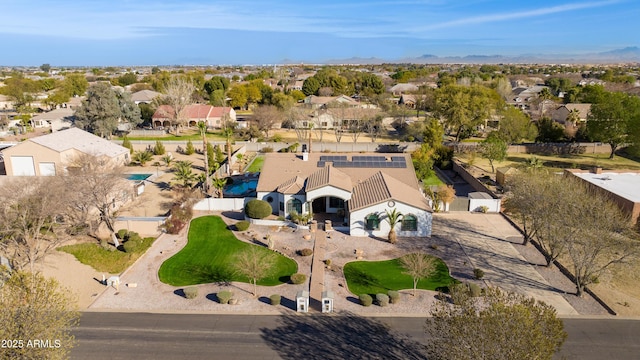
{"x":178,"y":95}
{"x":75,"y":84}
{"x":612,"y":119}
{"x":515,"y":126}
{"x":485,"y":328}
{"x":104,"y":109}
{"x":266,"y":117}
{"x":202,"y":126}
{"x":418,"y":266}
{"x":33,"y":308}
{"x":493,"y":148}
{"x":393,"y":217}
{"x":464,"y":107}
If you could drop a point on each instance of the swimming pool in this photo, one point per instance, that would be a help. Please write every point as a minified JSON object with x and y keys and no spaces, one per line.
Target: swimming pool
{"x":239,"y":188}
{"x":138,"y":177}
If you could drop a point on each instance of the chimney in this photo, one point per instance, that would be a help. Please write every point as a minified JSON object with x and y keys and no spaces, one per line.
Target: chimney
{"x":305,"y":154}
{"x":596,"y":170}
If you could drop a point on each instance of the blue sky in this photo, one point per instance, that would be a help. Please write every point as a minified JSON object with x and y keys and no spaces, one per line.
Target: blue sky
{"x":166,"y":32}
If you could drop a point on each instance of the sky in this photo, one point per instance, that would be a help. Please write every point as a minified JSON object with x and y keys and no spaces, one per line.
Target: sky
{"x":237,"y":32}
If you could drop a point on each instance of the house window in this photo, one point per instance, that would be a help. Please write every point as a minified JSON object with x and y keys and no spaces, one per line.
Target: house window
{"x":281,"y":206}
{"x":324,"y":124}
{"x":294,"y":205}
{"x":372,"y":222}
{"x":336,"y":203}
{"x":269,"y":199}
{"x":409,"y":223}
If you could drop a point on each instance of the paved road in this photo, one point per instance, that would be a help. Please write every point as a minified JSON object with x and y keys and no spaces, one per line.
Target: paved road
{"x":171,"y":336}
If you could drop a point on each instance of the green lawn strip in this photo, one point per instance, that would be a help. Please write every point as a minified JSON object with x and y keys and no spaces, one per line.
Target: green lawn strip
{"x":374,"y":277}
{"x":256,"y":164}
{"x":208,"y":257}
{"x":172,"y":137}
{"x":113,"y":262}
{"x":432,"y":180}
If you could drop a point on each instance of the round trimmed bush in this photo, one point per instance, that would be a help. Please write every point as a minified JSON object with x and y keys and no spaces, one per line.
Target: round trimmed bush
{"x":257,"y":209}
{"x":394,"y":296}
{"x":122,"y":233}
{"x":224,"y":296}
{"x":366,"y":299}
{"x":474,"y":290}
{"x":382,"y":299}
{"x":191,"y":292}
{"x":242,"y":225}
{"x":478,"y":273}
{"x":298,"y":278}
{"x":275,"y":299}
{"x":305,"y":252}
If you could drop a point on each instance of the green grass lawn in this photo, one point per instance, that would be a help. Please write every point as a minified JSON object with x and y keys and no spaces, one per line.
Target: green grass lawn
{"x":208,"y":257}
{"x":432,"y":180}
{"x":113,"y":262}
{"x":256,"y":164}
{"x":186,"y":136}
{"x":374,"y":277}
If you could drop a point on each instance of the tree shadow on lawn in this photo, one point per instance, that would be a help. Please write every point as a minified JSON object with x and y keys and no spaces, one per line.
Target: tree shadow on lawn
{"x":210,"y":274}
{"x":360,"y":278}
{"x":345,"y":336}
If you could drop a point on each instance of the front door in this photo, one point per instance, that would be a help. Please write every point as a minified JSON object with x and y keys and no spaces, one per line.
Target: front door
{"x":319,"y":205}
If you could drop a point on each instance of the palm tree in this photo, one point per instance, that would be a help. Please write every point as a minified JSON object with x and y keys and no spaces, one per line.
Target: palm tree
{"x":142,"y":157}
{"x":228,"y":133}
{"x":219,"y":184}
{"x":167,"y":160}
{"x":393,"y":218}
{"x":240,"y":158}
{"x":202,"y":126}
{"x":574,"y":116}
{"x":184,"y":174}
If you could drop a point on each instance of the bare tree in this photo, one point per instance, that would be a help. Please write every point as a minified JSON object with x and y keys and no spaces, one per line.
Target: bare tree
{"x":179,"y":94}
{"x":296,"y":118}
{"x":266,"y":117}
{"x":31,"y":219}
{"x":418,"y":266}
{"x":254,"y":263}
{"x":373,"y":127}
{"x":99,"y":186}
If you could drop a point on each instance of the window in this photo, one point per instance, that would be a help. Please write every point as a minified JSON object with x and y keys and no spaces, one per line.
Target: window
{"x":294,"y":205}
{"x":281,"y":206}
{"x":409,"y":223}
{"x":372,"y":222}
{"x":269,"y":199}
{"x":336,"y":203}
{"x":324,"y":124}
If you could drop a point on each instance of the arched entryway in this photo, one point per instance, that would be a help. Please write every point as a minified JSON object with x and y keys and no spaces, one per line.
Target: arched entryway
{"x":330,"y":208}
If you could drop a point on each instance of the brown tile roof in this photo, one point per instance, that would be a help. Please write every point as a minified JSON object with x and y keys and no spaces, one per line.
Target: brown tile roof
{"x":292,"y":186}
{"x":382,"y":187}
{"x":194,"y":111}
{"x":329,"y":175}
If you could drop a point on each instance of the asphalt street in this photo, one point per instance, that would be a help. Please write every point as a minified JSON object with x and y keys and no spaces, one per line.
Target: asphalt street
{"x":105,"y":335}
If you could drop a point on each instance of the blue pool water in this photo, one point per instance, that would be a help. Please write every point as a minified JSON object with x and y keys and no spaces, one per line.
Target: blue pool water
{"x":138,"y":177}
{"x":239,"y":188}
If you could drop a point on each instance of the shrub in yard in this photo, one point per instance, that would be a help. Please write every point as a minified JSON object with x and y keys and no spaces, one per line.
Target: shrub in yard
{"x":132,"y":244}
{"x":305,"y":252}
{"x":298,"y":278}
{"x":190,"y":292}
{"x":394,"y":296}
{"x":275,"y":299}
{"x":224,"y":296}
{"x":478,"y":273}
{"x":267,"y":149}
{"x":382,"y":299}
{"x":189,"y":150}
{"x":127,"y":144}
{"x":474,"y":290}
{"x":159,"y":149}
{"x":458,"y":293}
{"x":122,"y":234}
{"x":242,"y":225}
{"x":366,"y":299}
{"x":257,"y":209}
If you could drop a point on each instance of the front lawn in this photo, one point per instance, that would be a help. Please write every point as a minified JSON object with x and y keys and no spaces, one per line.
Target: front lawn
{"x":113,"y":262}
{"x":374,"y":277}
{"x":256,"y":164}
{"x":208,"y":257}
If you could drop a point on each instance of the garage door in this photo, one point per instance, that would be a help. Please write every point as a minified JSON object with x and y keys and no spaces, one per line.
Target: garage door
{"x":23,"y":166}
{"x":47,"y":169}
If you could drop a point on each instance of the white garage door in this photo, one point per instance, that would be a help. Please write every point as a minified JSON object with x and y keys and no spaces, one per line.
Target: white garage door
{"x":23,"y":166}
{"x":47,"y":169}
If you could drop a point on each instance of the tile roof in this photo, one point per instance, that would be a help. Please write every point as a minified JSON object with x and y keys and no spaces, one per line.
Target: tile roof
{"x":331,"y":176}
{"x":194,"y":111}
{"x":144,"y":95}
{"x":80,"y":140}
{"x":382,"y":187}
{"x":292,"y":186}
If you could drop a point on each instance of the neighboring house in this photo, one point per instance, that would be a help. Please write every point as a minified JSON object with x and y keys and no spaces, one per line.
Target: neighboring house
{"x":144,"y":96}
{"x":621,"y":186}
{"x":211,"y":115}
{"x":563,"y":113}
{"x":332,"y":118}
{"x":49,"y":154}
{"x":411,"y":101}
{"x":353,"y":190}
{"x":403,"y":88}
{"x":323,"y":102}
{"x":56,"y":120}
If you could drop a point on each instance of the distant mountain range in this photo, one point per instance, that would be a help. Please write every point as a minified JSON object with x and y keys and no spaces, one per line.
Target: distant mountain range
{"x":625,"y":55}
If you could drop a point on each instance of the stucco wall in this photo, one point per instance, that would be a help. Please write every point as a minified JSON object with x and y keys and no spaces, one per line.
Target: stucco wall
{"x":357,"y":221}
{"x":39,"y":153}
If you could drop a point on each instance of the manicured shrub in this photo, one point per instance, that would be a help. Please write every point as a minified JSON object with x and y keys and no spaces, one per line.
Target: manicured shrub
{"x":224,"y":296}
{"x":382,"y":299}
{"x":267,"y":149}
{"x":474,"y":290}
{"x":366,"y":299}
{"x":122,"y":234}
{"x":242,"y":225}
{"x":275,"y":299}
{"x":478,"y":273}
{"x":459,"y":293}
{"x":298,"y":278}
{"x":190,"y":292}
{"x":190,"y":150}
{"x":159,"y":149}
{"x":305,"y":252}
{"x":394,"y":296}
{"x":327,"y":262}
{"x":257,"y":209}
{"x":127,"y":144}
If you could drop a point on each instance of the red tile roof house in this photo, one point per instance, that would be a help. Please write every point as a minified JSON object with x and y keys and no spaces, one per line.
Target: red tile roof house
{"x":193,"y":114}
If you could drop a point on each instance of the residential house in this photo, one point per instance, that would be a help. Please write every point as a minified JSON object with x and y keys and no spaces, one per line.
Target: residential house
{"x":403,"y":88}
{"x":144,"y":96}
{"x":49,"y":154}
{"x":213,"y":116}
{"x":354,"y":191}
{"x":563,"y":114}
{"x":318,"y":102}
{"x":57,"y":119}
